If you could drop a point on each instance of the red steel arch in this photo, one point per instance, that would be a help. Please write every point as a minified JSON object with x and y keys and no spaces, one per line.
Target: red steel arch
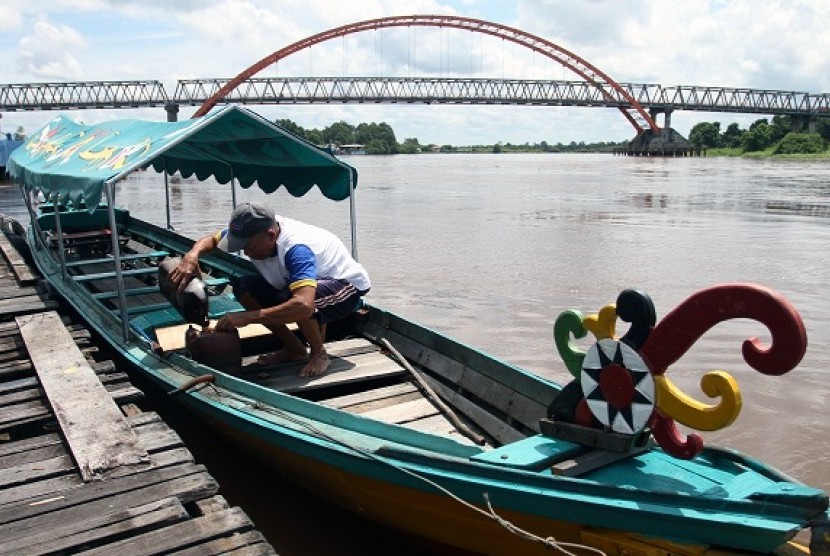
{"x":634,"y":113}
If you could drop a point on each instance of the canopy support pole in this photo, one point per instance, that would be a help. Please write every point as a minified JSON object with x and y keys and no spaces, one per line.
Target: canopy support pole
{"x":233,"y":188}
{"x":352,"y":216}
{"x":116,"y":254}
{"x":167,"y":196}
{"x":59,"y":229}
{"x":27,"y":198}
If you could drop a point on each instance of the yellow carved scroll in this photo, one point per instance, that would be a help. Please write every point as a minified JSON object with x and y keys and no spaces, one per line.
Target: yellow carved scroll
{"x":604,"y":324}
{"x":698,"y":415}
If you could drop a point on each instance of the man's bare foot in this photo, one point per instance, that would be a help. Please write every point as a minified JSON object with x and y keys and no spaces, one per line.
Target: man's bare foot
{"x":317,"y":364}
{"x":281,"y":356}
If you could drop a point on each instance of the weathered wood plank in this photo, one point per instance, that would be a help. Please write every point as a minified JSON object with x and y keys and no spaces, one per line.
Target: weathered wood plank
{"x":440,"y":425}
{"x":187,"y":481}
{"x":403,"y":412}
{"x":356,"y":368}
{"x":488,"y":422}
{"x":21,"y":270}
{"x":503,"y":397}
{"x":35,"y":471}
{"x":97,"y":433}
{"x":375,"y":398}
{"x":25,"y":305}
{"x":179,"y":536}
{"x":76,"y":534}
{"x":252,"y":542}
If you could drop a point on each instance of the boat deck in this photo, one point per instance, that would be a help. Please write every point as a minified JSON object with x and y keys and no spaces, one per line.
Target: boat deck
{"x":64,"y":429}
{"x":362,"y":379}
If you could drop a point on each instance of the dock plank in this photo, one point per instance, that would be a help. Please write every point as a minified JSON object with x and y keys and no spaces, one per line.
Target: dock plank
{"x":96,"y":431}
{"x":23,"y":274}
{"x":76,"y":534}
{"x":178,"y":536}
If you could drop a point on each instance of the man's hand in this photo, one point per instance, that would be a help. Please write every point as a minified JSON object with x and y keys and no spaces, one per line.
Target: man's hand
{"x":231,"y":321}
{"x":187,"y":269}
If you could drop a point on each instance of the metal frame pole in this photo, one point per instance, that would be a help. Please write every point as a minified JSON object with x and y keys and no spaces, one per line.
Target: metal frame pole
{"x":27,"y":198}
{"x":167,"y":196}
{"x":352,"y":215}
{"x":116,"y":254}
{"x":59,"y":230}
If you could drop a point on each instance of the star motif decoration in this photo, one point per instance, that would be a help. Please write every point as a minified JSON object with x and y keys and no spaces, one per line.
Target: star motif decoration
{"x":618,"y":386}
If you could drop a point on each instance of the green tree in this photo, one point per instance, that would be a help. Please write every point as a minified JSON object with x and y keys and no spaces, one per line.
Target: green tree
{"x":378,"y":146}
{"x":705,"y":135}
{"x":410,"y":145}
{"x":758,"y":137}
{"x":732,"y":136}
{"x":497,"y":148}
{"x":823,"y":128}
{"x":292,"y":127}
{"x":339,"y":133}
{"x":315,"y":136}
{"x":800,"y":143}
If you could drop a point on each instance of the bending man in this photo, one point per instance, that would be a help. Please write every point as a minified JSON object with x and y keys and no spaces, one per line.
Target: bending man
{"x":306,"y":275}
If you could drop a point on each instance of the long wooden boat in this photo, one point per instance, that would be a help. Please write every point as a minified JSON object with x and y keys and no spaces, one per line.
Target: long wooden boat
{"x":409,"y":427}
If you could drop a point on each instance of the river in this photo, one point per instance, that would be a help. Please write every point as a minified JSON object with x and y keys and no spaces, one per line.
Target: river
{"x":490,"y":249}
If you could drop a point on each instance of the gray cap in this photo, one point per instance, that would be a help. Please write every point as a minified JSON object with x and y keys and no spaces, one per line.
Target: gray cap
{"x":247,"y":220}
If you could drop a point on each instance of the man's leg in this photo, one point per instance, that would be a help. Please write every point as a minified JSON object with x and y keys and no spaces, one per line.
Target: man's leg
{"x":253,"y":294}
{"x":318,"y":360}
{"x":333,"y":300}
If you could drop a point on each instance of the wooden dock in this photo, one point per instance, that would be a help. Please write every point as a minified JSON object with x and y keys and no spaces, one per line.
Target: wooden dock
{"x":83,"y":470}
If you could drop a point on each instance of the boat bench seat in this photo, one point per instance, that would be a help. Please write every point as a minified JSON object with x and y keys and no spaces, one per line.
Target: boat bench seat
{"x":534,"y":453}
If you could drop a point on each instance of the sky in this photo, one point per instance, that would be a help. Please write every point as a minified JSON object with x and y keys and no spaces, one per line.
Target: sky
{"x":769,"y":44}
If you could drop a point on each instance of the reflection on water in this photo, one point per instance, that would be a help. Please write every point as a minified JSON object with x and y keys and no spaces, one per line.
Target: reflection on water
{"x":491,"y":248}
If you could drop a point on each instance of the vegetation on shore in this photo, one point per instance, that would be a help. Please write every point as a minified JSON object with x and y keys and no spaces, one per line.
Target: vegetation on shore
{"x":764,"y":138}
{"x":781,"y":138}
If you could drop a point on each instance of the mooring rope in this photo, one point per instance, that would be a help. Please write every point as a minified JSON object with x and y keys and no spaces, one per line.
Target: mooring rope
{"x":549,"y":542}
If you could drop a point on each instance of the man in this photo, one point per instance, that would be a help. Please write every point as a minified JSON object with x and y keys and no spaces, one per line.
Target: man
{"x":306,"y":276}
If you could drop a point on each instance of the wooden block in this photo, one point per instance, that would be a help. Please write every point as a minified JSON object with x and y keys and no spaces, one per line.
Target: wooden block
{"x":590,"y":461}
{"x":171,"y":338}
{"x":98,"y":435}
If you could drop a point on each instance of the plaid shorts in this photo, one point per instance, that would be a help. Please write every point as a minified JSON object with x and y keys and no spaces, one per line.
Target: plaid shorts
{"x":335,"y":299}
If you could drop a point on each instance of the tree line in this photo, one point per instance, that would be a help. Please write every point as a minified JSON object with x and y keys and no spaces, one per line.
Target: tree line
{"x":782,"y":135}
{"x":379,"y":138}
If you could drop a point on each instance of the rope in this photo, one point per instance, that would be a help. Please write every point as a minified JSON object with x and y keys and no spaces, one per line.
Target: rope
{"x":550,"y":542}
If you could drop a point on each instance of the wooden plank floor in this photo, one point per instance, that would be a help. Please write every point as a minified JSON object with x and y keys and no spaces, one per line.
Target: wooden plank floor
{"x":162,"y":503}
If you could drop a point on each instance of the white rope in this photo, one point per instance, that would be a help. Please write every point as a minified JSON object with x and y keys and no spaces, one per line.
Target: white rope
{"x":550,"y":542}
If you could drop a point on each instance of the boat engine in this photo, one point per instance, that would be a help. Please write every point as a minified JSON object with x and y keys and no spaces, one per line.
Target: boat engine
{"x":192,"y":301}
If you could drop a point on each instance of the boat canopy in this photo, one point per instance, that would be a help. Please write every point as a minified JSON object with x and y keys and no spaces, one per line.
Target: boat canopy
{"x":70,"y":162}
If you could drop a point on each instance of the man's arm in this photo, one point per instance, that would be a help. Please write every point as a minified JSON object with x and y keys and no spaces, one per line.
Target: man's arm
{"x":189,"y":267}
{"x":299,"y":307}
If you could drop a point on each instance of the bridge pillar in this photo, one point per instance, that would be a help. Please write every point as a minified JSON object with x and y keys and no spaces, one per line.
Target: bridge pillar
{"x":666,"y":111}
{"x":172,"y":110}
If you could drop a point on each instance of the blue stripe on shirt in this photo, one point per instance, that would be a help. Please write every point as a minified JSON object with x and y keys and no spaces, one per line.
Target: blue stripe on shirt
{"x":301,"y":264}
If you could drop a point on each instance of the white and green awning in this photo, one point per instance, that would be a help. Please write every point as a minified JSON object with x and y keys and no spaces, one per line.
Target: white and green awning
{"x":70,"y":162}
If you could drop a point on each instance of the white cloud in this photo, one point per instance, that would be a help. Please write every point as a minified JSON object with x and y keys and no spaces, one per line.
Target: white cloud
{"x":740,"y":43}
{"x":48,"y":53}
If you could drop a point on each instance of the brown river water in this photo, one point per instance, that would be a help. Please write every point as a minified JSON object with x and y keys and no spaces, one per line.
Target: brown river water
{"x":490,"y":249}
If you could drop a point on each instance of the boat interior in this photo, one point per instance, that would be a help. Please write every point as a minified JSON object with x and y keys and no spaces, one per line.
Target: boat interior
{"x":373,"y":369}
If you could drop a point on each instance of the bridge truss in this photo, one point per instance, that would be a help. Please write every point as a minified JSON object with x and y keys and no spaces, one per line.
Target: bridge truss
{"x":428,"y":90}
{"x":420,"y":90}
{"x":81,"y":95}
